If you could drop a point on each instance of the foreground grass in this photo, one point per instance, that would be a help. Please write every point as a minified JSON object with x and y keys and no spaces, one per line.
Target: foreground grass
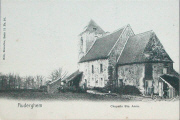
{"x":59,"y":96}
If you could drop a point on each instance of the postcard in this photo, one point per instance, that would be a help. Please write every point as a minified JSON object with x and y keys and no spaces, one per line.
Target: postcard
{"x":89,"y":59}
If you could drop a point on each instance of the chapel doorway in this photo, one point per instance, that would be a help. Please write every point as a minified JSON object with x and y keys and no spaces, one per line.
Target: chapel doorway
{"x":148,"y":79}
{"x":149,"y":87}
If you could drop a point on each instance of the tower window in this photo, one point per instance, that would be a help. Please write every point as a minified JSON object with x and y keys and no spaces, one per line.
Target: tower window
{"x":81,"y":41}
{"x":94,"y":29}
{"x":92,"y":68}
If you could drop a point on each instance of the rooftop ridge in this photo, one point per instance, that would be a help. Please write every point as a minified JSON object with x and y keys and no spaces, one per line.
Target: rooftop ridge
{"x":118,"y":39}
{"x":143,"y":33}
{"x":111,"y":33}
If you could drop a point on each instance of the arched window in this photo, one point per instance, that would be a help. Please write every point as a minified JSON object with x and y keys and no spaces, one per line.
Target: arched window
{"x":101,"y":68}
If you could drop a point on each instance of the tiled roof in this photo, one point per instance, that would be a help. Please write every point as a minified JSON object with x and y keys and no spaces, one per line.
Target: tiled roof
{"x":73,"y":75}
{"x":134,"y":49}
{"x":102,"y":46}
{"x":172,"y":80}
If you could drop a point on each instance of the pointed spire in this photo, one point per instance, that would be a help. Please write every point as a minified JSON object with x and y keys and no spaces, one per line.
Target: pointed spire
{"x":93,"y":27}
{"x":92,"y":23}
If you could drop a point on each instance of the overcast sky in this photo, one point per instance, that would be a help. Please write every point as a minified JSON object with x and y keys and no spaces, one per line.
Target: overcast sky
{"x":42,"y":35}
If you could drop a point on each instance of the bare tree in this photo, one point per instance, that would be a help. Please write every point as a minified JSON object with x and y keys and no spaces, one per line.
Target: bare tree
{"x":4,"y":82}
{"x":39,"y":80}
{"x":29,"y":82}
{"x":11,"y":79}
{"x":58,"y":74}
{"x":18,"y":81}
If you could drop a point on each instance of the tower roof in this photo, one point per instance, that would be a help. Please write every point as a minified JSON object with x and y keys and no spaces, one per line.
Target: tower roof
{"x":93,"y":27}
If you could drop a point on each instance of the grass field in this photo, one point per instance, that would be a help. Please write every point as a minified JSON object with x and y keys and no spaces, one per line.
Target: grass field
{"x":29,"y":95}
{"x":60,"y":96}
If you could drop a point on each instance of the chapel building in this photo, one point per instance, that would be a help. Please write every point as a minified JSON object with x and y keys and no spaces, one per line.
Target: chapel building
{"x":122,"y":58}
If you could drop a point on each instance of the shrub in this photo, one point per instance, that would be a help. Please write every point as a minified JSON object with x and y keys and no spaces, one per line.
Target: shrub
{"x":71,"y":89}
{"x":103,"y":90}
{"x":118,"y":90}
{"x":81,"y":90}
{"x":125,"y":90}
{"x":43,"y":88}
{"x":130,"y":90}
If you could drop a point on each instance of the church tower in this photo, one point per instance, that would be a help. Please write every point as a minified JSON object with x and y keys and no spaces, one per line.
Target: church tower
{"x":86,"y":39}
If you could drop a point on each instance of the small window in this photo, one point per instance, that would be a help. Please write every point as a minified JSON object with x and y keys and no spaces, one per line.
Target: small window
{"x":94,"y":29}
{"x":164,"y":70}
{"x":81,"y":41}
{"x":92,"y":68}
{"x":85,"y":82}
{"x":96,"y":81}
{"x":165,"y":64}
{"x":101,"y":81}
{"x":88,"y":83}
{"x":101,"y":68}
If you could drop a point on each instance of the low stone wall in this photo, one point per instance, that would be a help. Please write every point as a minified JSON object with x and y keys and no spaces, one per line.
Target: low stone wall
{"x":53,"y":87}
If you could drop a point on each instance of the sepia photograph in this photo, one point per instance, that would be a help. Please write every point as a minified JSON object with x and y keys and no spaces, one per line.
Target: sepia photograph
{"x":89,"y":59}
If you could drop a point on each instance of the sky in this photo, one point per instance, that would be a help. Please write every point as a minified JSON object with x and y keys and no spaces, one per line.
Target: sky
{"x":42,"y":35}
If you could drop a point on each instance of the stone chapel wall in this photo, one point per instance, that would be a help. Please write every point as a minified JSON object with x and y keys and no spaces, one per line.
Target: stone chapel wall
{"x":97,"y":78}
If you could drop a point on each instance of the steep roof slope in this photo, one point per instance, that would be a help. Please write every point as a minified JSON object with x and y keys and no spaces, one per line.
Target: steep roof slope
{"x":136,"y":47}
{"x":91,"y":26}
{"x":73,"y":75}
{"x":102,"y":46}
{"x":172,"y":80}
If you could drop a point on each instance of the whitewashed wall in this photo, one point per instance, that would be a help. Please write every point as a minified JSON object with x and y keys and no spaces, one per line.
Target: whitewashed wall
{"x":101,"y":77}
